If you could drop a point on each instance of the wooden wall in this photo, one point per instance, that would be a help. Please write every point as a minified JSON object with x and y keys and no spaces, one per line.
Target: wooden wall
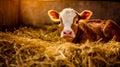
{"x":34,"y":12}
{"x":9,"y":13}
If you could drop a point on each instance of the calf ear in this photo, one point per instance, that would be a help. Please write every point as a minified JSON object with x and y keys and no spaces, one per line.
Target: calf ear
{"x":86,"y":14}
{"x":54,"y":15}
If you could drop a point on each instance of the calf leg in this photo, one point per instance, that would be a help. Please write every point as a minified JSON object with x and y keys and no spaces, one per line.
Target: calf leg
{"x":111,"y":29}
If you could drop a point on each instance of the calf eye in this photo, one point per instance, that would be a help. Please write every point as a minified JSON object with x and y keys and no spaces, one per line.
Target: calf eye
{"x":77,"y":22}
{"x":57,"y":23}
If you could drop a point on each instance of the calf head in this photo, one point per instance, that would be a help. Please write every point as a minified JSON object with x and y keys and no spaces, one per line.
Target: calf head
{"x":69,"y":20}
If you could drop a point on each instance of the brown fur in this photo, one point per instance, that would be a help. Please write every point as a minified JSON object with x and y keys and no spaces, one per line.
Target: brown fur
{"x":97,"y":30}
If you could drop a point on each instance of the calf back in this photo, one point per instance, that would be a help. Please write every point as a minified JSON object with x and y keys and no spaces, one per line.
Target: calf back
{"x":97,"y":30}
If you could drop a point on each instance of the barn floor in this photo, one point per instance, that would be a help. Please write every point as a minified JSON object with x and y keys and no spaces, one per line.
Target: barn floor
{"x":42,"y":47}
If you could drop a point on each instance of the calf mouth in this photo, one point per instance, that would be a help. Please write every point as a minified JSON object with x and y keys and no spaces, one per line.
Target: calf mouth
{"x":68,"y":39}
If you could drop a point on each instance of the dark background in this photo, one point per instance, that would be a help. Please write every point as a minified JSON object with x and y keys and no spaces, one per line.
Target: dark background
{"x":34,"y":12}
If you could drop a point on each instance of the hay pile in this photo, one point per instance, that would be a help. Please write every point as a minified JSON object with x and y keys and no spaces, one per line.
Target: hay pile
{"x":33,"y":47}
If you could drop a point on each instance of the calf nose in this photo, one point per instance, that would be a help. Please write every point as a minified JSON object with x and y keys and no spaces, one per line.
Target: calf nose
{"x":67,"y":33}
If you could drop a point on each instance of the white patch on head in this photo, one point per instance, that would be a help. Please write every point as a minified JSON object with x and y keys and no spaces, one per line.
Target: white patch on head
{"x":67,"y":15}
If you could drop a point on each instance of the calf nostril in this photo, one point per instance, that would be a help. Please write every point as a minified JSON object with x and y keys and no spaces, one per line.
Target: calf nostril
{"x":70,"y":32}
{"x":64,"y":32}
{"x":67,"y":32}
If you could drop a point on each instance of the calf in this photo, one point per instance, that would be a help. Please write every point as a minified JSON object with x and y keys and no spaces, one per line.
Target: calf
{"x":77,"y":27}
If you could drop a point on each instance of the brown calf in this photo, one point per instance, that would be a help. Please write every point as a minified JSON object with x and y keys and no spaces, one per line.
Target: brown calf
{"x":77,"y":27}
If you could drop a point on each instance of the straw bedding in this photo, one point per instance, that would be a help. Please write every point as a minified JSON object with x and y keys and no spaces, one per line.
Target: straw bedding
{"x":42,"y":47}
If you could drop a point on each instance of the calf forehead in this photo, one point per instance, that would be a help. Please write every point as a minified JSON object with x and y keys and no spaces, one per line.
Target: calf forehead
{"x":67,"y":16}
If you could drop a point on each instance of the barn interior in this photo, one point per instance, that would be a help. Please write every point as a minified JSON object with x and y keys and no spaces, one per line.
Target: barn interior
{"x":29,"y":38}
